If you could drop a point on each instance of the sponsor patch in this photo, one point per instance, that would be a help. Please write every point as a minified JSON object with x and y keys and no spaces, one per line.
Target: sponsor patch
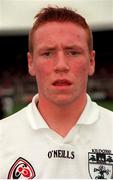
{"x":100,"y":164}
{"x":21,"y":169}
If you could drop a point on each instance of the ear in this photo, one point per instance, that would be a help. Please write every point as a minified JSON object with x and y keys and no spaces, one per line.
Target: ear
{"x":30,"y":64}
{"x":92,"y":63}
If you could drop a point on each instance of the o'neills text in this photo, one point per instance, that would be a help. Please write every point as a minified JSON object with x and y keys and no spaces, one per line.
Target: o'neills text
{"x":61,"y":154}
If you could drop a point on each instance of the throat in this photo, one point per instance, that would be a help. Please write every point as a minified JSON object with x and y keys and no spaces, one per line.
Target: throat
{"x":61,"y":119}
{"x":62,"y":129}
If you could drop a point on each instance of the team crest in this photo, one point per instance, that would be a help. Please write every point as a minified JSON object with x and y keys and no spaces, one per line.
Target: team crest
{"x":21,"y":169}
{"x":100,"y":165}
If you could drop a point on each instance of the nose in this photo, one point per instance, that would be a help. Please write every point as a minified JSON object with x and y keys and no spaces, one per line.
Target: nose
{"x":61,"y":63}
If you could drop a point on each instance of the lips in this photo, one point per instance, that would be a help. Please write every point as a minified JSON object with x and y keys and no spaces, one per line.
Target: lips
{"x":62,"y":82}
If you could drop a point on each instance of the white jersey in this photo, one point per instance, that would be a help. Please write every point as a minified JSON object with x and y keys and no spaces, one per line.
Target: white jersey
{"x":29,"y":149}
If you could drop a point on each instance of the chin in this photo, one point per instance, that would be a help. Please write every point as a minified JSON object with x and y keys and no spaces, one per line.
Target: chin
{"x":64,"y":100}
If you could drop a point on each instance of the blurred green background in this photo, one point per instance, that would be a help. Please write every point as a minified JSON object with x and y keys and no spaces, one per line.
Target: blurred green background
{"x":107,"y":104}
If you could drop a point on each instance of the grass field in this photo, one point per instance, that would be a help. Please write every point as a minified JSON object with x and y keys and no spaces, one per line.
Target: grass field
{"x":107,"y":104}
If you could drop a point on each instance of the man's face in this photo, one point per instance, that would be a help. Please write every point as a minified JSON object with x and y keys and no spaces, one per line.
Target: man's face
{"x":61,"y":62}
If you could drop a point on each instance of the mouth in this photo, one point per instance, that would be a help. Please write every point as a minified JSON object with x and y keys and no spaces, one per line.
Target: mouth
{"x":62,"y":82}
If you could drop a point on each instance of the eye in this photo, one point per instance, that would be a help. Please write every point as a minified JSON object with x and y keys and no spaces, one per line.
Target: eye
{"x":47,"y":54}
{"x":72,"y":53}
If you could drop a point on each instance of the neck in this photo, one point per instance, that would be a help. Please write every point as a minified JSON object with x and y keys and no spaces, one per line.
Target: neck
{"x":62,"y":118}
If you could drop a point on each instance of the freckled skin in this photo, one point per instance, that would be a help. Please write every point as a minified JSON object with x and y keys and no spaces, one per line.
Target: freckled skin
{"x":66,"y":57}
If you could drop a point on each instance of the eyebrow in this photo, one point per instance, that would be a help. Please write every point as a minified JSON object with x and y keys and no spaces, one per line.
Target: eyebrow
{"x":76,"y":47}
{"x":52,"y":48}
{"x":46,"y":48}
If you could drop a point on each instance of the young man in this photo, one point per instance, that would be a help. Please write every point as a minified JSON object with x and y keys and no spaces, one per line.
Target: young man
{"x":62,"y":133}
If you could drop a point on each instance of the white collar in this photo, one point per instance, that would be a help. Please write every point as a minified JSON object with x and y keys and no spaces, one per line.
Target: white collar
{"x":34,"y":116}
{"x":89,"y":115}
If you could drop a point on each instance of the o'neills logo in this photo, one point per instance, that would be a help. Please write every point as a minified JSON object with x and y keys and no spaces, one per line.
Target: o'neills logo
{"x":61,"y":154}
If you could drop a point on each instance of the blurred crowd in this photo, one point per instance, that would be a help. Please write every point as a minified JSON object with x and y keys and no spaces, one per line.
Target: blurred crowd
{"x":15,"y":89}
{"x":100,"y":86}
{"x":18,"y":88}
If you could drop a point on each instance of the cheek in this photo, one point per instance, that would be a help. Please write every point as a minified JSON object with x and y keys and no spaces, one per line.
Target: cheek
{"x":43,"y":70}
{"x":80,"y":70}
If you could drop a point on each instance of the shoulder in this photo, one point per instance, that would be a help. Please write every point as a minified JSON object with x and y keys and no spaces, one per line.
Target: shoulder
{"x":14,"y":119}
{"x":105,"y":112}
{"x":102,"y":112}
{"x":105,"y":118}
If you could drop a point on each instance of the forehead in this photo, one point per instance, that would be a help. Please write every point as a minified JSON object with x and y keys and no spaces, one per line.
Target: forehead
{"x":57,"y":32}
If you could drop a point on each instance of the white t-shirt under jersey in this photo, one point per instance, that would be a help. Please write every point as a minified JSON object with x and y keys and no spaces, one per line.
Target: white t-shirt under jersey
{"x":29,"y":149}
